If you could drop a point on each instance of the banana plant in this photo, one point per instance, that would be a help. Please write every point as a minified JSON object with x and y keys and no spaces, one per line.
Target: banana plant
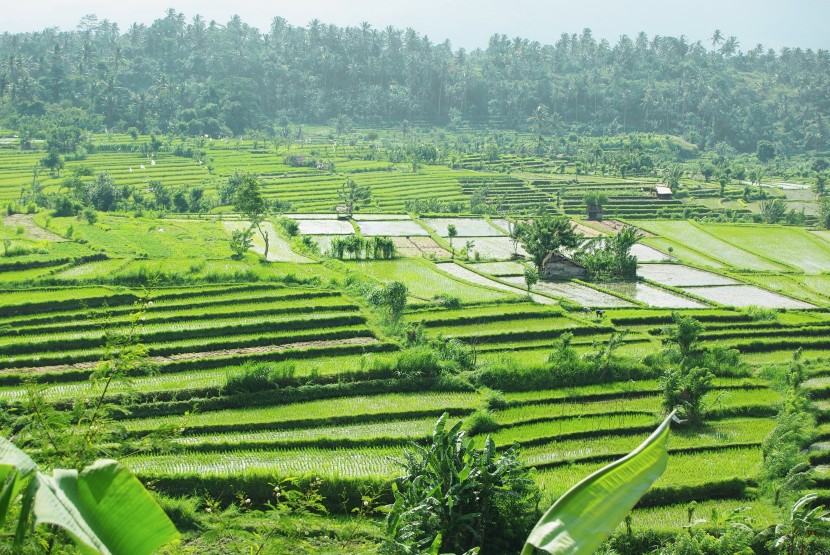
{"x":103,"y":508}
{"x":579,"y":521}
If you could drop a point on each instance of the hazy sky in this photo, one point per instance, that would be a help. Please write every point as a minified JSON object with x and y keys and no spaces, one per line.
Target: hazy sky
{"x":469,"y":23}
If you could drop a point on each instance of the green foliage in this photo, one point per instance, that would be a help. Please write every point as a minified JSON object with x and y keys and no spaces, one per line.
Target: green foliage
{"x":482,"y":421}
{"x":773,"y":210}
{"x":594,"y":200}
{"x":608,"y":258}
{"x":564,"y":368}
{"x":580,"y":520}
{"x":90,"y":215}
{"x":684,"y":333}
{"x":495,"y":400}
{"x":241,"y":241}
{"x":686,"y":389}
{"x":786,"y":470}
{"x":92,"y":506}
{"x":547,"y":234}
{"x":291,"y":227}
{"x":417,"y":362}
{"x":227,"y":189}
{"x":807,"y":529}
{"x":357,"y":247}
{"x":391,"y":298}
{"x":263,"y":376}
{"x":450,"y":302}
{"x":248,"y":200}
{"x":531,"y":278}
{"x":765,"y":151}
{"x":353,"y":196}
{"x":103,"y":194}
{"x":761,"y":314}
{"x":455,"y":497}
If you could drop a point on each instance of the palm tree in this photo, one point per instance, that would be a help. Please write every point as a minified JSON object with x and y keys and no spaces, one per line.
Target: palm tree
{"x":730,"y":47}
{"x":717,"y":38}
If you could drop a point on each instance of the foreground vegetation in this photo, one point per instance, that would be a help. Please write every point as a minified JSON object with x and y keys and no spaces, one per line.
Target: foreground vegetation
{"x":263,"y":313}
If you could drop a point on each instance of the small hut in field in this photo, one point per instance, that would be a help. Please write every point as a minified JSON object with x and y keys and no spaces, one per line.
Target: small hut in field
{"x":559,"y":266}
{"x":663,"y":192}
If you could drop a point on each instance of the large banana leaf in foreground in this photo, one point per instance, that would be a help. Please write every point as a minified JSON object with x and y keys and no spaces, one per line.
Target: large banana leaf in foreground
{"x":579,"y":521}
{"x":104,"y":507}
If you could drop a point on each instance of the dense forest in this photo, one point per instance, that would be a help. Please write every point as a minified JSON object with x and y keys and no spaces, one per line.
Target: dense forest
{"x":199,"y":77}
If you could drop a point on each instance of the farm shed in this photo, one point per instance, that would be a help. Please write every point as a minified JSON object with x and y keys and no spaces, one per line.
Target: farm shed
{"x":663,"y":192}
{"x":559,"y":266}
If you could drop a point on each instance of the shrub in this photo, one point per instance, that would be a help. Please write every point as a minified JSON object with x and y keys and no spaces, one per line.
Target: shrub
{"x":291,"y":227}
{"x":450,"y":302}
{"x":760,"y":314}
{"x":495,"y":400}
{"x":90,"y":215}
{"x":181,"y":510}
{"x":262,"y":376}
{"x":417,"y":362}
{"x":686,"y":388}
{"x":455,"y":497}
{"x":480,"y":422}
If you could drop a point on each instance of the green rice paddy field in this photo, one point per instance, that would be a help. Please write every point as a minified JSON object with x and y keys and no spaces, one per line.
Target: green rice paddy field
{"x":342,"y":412}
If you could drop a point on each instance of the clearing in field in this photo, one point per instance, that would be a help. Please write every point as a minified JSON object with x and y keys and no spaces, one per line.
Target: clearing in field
{"x":493,"y":248}
{"x":470,"y":276}
{"x":644,"y":253}
{"x":391,"y":228}
{"x":325,"y":227}
{"x":787,"y":245}
{"x":574,"y":292}
{"x":278,"y":248}
{"x":466,"y":227}
{"x":151,"y":238}
{"x":691,"y":235}
{"x":746,"y":295}
{"x":419,"y":246}
{"x":676,"y":275}
{"x":651,"y":295}
{"x":426,"y":281}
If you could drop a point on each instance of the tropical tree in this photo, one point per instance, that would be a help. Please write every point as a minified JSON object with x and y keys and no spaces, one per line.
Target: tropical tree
{"x":824,"y":212}
{"x":241,"y":241}
{"x":672,"y":176}
{"x":717,"y":38}
{"x":685,"y":389}
{"x":353,"y":195}
{"x":531,"y":278}
{"x":548,"y":234}
{"x":773,"y":210}
{"x":249,"y":202}
{"x":756,"y":175}
{"x":452,"y":233}
{"x":468,"y":248}
{"x":685,"y":332}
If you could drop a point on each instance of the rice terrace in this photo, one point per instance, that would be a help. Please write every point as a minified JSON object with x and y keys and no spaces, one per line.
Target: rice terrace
{"x":407,"y":310}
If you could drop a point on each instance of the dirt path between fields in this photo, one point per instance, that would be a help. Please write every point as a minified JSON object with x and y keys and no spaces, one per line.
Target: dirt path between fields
{"x":210,"y":354}
{"x":33,"y":231}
